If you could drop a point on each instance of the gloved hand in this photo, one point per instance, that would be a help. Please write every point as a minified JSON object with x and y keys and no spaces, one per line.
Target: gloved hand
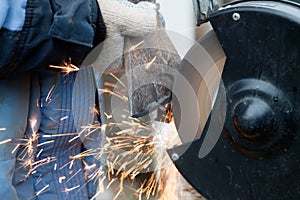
{"x":123,"y":18}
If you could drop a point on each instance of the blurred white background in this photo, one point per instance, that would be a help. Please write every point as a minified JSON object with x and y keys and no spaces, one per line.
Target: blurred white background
{"x":179,"y":17}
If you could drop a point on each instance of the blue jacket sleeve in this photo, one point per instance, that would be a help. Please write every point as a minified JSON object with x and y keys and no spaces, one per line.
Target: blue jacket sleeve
{"x":53,"y":31}
{"x":12,"y":14}
{"x":3,"y":11}
{"x":12,"y":129}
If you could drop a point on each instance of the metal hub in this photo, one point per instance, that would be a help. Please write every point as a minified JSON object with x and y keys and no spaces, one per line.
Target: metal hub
{"x":256,"y":111}
{"x":253,"y":120}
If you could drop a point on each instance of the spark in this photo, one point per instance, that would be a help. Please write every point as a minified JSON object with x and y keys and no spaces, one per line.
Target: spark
{"x":140,"y":195}
{"x":60,"y":179}
{"x":27,"y":155}
{"x":37,"y":102}
{"x":148,"y":65}
{"x":51,"y":118}
{"x":74,"y":138}
{"x":63,"y":118}
{"x":132,"y":150}
{"x":136,"y":46}
{"x":71,"y":164}
{"x":44,"y":143}
{"x":122,"y":97}
{"x":39,"y":163}
{"x":120,"y":186}
{"x":136,"y":149}
{"x":48,"y":97}
{"x":83,"y":154}
{"x":71,"y":189}
{"x":135,"y":160}
{"x":32,"y":123}
{"x":110,"y":84}
{"x":110,"y":183}
{"x":42,"y":190}
{"x":39,"y":153}
{"x":64,"y":165}
{"x":39,"y":179}
{"x":66,"y":67}
{"x":107,"y":115}
{"x":58,"y":135}
{"x":96,"y":110}
{"x":101,"y":188}
{"x":61,"y":109}
{"x":88,"y":167}
{"x":117,"y":79}
{"x":15,"y":149}
{"x":5,"y":141}
{"x":73,"y":175}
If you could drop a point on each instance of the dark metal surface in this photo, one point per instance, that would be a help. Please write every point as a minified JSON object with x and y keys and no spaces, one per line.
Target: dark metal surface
{"x":258,"y":153}
{"x":202,"y":8}
{"x":149,"y":87}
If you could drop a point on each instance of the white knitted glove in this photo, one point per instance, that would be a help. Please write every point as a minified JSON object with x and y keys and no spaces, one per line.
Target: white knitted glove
{"x":123,"y":18}
{"x":128,"y":19}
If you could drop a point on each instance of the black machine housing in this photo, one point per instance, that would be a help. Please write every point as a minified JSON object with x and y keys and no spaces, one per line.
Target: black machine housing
{"x":258,"y":153}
